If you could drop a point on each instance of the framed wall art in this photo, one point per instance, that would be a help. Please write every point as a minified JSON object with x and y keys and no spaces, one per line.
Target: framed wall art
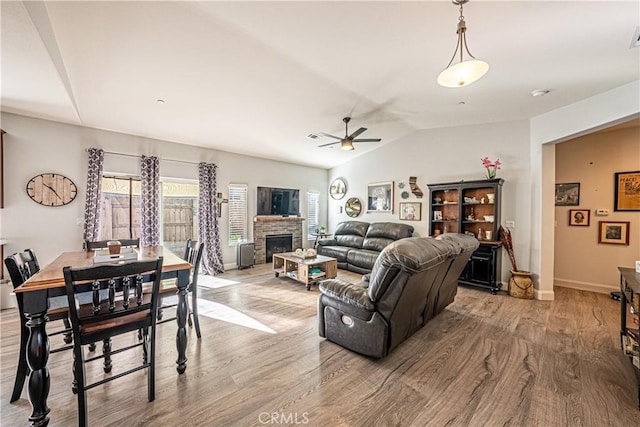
{"x":338,"y":189}
{"x":627,"y":191}
{"x":568,"y":194}
{"x":579,"y":217}
{"x":410,"y":211}
{"x":613,"y":232}
{"x":380,"y":197}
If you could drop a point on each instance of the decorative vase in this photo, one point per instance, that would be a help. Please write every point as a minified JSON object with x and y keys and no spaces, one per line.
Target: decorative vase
{"x":491,"y":197}
{"x":491,"y":172}
{"x":521,"y":285}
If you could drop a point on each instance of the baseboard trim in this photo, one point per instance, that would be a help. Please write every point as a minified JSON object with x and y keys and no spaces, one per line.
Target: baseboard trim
{"x":544,"y":295}
{"x":585,"y":286}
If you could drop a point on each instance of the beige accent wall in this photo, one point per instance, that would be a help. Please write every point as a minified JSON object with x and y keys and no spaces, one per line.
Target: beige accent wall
{"x":580,"y":261}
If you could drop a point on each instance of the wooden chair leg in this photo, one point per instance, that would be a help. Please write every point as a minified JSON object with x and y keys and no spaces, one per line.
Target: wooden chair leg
{"x":68,"y":335}
{"x":78,"y":364}
{"x":151,"y":386}
{"x":106,"y":351}
{"x":23,"y":367}
{"x":194,"y":313}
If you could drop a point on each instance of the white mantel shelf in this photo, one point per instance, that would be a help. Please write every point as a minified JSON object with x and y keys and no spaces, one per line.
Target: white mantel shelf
{"x":275,"y":218}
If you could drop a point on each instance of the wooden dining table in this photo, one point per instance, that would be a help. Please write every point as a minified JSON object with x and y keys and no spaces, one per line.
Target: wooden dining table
{"x":49,"y":282}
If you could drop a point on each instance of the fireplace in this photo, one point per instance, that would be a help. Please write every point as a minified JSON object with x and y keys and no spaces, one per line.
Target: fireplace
{"x":278,"y":243}
{"x":264,"y":226}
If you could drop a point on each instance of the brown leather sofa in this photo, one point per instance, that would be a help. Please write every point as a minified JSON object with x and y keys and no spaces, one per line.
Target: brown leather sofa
{"x":357,"y":244}
{"x":412,"y":280}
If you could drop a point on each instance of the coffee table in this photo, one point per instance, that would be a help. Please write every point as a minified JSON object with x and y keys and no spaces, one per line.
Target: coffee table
{"x":302,"y":269}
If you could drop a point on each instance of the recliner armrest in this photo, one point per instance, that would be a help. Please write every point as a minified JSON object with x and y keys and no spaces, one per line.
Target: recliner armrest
{"x":347,"y":292}
{"x":327,"y":242}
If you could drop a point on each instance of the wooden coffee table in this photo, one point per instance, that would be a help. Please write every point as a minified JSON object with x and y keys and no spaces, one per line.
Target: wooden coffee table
{"x":298,"y":268}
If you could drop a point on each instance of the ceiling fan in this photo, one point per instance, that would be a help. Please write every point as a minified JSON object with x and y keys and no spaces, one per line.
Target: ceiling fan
{"x":346,"y":143}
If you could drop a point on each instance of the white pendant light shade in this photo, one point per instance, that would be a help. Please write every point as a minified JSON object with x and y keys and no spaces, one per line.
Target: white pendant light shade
{"x":467,"y":71}
{"x":463,"y":73}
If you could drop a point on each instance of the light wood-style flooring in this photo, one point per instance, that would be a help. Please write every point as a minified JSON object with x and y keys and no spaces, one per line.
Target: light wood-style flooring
{"x":485,"y":361}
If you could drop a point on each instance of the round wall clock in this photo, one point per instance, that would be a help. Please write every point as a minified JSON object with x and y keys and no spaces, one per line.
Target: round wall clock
{"x":51,"y":189}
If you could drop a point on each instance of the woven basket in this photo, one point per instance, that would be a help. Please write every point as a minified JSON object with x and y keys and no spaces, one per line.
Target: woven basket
{"x":521,"y":285}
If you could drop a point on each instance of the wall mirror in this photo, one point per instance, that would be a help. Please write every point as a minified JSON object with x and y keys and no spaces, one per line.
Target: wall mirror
{"x":353,"y":207}
{"x":338,"y":189}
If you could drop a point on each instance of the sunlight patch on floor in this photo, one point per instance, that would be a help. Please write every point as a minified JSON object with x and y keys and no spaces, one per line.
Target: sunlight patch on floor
{"x":218,"y":311}
{"x":214,"y":282}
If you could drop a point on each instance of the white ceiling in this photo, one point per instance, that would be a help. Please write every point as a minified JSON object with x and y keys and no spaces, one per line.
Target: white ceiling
{"x":257,"y":77}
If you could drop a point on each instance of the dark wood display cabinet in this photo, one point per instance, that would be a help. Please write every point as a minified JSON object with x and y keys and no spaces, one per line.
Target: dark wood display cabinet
{"x":473,"y":208}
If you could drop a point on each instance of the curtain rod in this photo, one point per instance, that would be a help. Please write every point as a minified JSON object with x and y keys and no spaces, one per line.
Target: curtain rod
{"x":135,"y":155}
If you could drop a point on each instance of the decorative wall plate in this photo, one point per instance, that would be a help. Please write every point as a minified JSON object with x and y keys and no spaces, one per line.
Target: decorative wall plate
{"x":404,"y":194}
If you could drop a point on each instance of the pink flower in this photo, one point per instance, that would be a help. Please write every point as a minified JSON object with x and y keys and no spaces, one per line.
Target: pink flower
{"x":489,"y":164}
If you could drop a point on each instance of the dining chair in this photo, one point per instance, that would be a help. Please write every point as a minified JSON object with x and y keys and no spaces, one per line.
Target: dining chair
{"x":168,"y":288}
{"x":21,"y":266}
{"x":128,"y":308}
{"x":102,"y":244}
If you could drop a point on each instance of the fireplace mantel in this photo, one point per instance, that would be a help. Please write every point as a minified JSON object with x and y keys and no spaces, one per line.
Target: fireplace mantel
{"x":277,"y":218}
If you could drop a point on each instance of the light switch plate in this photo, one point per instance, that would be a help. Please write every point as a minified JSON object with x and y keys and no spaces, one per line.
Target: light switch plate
{"x":510,"y":224}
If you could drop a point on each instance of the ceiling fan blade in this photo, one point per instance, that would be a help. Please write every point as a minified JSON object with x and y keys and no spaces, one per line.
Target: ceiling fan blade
{"x":331,"y":143}
{"x":356,"y":133}
{"x":368,"y":140}
{"x":328,"y":135}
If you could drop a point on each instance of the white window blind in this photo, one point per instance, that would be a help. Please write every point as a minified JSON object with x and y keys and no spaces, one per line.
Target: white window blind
{"x":237,"y":213}
{"x":313,"y":214}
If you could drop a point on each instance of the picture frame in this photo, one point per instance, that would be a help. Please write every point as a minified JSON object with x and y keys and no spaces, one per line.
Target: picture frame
{"x":613,"y":232}
{"x":627,"y":191}
{"x":338,"y":189}
{"x":380,"y":197}
{"x":411,"y":211}
{"x":568,"y":194}
{"x":437,"y":215}
{"x":579,"y":217}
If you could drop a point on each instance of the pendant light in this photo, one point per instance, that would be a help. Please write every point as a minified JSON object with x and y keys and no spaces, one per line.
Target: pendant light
{"x":464,"y":72}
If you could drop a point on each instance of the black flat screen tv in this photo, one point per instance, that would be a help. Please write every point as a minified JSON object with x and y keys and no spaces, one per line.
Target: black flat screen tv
{"x":278,"y":201}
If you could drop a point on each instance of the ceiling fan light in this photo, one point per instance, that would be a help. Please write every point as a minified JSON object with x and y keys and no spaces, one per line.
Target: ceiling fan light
{"x":463,"y":73}
{"x":346,"y":145}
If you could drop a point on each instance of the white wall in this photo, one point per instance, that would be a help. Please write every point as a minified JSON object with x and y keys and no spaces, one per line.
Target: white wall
{"x":571,"y":121}
{"x":34,"y":146}
{"x":592,"y":160}
{"x":445,"y":155}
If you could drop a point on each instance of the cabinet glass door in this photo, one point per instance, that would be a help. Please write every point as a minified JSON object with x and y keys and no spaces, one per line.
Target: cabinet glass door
{"x":479,"y":214}
{"x":445,"y":206}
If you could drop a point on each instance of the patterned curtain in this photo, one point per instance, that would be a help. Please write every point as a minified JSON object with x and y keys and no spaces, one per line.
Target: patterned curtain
{"x":92,"y":204}
{"x":208,"y":219}
{"x":149,"y":201}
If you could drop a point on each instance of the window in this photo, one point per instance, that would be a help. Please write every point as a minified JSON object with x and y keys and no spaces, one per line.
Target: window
{"x":237,"y":213}
{"x":120,"y":208}
{"x":313,"y":214}
{"x":179,"y":207}
{"x":120,"y":211}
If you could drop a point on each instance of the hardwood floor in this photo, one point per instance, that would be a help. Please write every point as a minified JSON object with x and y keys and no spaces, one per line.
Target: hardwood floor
{"x":485,"y":361}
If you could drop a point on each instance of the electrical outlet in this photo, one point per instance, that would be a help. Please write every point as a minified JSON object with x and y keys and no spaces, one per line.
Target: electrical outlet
{"x":510,"y":224}
{"x":79,"y":221}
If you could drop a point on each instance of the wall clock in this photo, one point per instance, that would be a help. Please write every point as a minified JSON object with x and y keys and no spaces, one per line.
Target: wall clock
{"x":51,"y":189}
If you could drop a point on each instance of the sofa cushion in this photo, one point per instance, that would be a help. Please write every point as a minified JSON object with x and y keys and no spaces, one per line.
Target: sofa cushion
{"x":362,"y":258}
{"x":351,"y":233}
{"x":381,"y":234}
{"x":337,"y":252}
{"x":346,"y":292}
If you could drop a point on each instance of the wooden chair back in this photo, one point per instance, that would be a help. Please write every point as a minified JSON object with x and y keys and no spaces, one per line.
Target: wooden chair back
{"x":127,"y":308}
{"x":21,"y":266}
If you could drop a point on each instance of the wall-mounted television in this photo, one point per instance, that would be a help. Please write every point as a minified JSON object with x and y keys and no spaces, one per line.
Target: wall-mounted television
{"x":278,"y":201}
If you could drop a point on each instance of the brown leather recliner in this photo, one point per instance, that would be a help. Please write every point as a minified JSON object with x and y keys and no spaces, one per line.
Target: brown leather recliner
{"x":412,"y":280}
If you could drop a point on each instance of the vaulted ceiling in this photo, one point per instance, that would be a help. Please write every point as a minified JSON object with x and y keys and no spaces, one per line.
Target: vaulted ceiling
{"x":257,"y":77}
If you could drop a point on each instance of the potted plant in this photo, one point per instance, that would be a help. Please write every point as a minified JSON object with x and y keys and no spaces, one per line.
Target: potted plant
{"x":520,"y":283}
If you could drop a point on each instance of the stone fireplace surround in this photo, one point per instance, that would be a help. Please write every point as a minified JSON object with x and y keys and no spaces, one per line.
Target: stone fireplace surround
{"x":268,"y":225}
